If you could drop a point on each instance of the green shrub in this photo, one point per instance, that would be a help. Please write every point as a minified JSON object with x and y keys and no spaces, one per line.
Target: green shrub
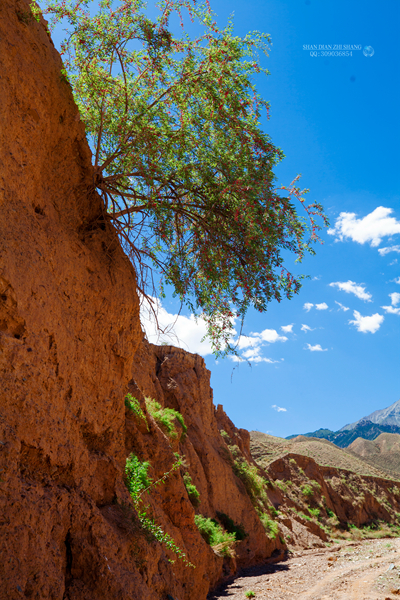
{"x":235,"y":451}
{"x":267,"y":482}
{"x":307,"y":490}
{"x":138,"y":481}
{"x":253,"y":482}
{"x":271,"y":528}
{"x":315,"y":485}
{"x":165,"y":417}
{"x":225,"y":436}
{"x":283,"y":485}
{"x":193,"y":493}
{"x":213,"y":533}
{"x":303,"y":516}
{"x":330,"y":513}
{"x":231,"y":527}
{"x":134,"y":405}
{"x":273,"y":511}
{"x":314,"y":512}
{"x":250,"y":594}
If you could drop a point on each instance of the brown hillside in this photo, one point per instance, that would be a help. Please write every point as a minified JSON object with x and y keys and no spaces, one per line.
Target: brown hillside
{"x":331,"y":496}
{"x":353,"y":498}
{"x":266,"y":448}
{"x":69,"y":328}
{"x":383,"y":453}
{"x":388,"y":442}
{"x":364,"y":448}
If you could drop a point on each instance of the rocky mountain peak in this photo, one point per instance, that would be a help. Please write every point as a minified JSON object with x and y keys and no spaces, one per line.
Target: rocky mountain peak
{"x":385,"y":416}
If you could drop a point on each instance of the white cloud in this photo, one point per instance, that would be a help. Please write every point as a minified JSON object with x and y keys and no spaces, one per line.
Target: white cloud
{"x":342,"y":307}
{"x":351,"y":287}
{"x":278,"y":408}
{"x":372,"y":228}
{"x":316,"y":348}
{"x":287,"y":328}
{"x":391,"y":310}
{"x":308,"y":306}
{"x":246,"y":341}
{"x":270,"y":335}
{"x":306,"y":328}
{"x":187,"y":333}
{"x":384,"y":251}
{"x":254,"y":356}
{"x":322,"y":306}
{"x":177,"y":330}
{"x":369,"y":324}
{"x":253,"y":345}
{"x":396,"y":280}
{"x":395,"y":297}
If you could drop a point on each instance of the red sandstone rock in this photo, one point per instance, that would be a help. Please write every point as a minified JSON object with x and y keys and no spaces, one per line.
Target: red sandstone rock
{"x":69,"y":329}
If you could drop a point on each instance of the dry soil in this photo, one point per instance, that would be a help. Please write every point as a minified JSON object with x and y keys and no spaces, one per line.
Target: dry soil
{"x":367,"y":570}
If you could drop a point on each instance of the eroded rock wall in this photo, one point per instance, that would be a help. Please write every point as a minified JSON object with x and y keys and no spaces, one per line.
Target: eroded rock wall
{"x":341,"y":498}
{"x":69,"y":329}
{"x":180,"y":380}
{"x":70,"y":349}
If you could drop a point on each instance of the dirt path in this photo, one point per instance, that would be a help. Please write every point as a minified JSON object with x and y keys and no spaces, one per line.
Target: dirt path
{"x":367,"y":570}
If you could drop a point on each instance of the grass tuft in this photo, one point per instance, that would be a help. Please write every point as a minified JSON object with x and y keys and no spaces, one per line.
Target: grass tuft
{"x":213,"y":533}
{"x":165,"y":418}
{"x":192,"y":491}
{"x":134,"y":405}
{"x":270,"y":526}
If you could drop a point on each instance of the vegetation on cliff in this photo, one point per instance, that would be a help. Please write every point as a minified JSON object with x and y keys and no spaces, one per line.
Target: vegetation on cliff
{"x":138,"y":483}
{"x":255,"y":483}
{"x":214,"y":534}
{"x":180,"y":160}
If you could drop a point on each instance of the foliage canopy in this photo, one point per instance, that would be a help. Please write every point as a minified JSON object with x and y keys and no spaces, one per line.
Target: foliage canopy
{"x":180,"y":160}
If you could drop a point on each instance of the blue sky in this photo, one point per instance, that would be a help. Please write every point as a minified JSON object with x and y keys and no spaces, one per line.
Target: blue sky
{"x":337,"y":121}
{"x":330,"y":355}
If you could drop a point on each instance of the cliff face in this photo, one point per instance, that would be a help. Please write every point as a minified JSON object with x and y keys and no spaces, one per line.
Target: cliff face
{"x":69,"y":330}
{"x":179,"y":380}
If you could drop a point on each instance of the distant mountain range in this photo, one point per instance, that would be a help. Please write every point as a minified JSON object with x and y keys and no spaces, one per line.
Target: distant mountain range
{"x":386,"y":420}
{"x":384,"y":417}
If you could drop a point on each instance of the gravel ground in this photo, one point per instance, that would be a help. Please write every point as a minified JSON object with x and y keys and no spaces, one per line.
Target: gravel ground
{"x":366,"y":570}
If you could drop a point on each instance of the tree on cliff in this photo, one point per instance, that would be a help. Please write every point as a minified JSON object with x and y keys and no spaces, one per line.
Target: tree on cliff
{"x":180,"y":160}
